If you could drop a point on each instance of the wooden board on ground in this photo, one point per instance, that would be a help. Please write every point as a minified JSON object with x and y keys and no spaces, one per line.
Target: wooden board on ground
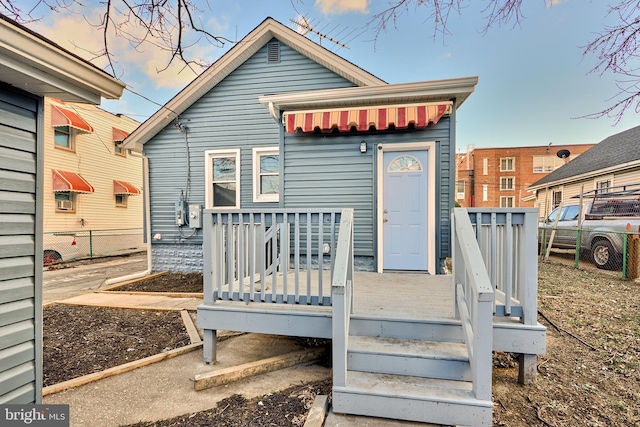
{"x":235,"y":373}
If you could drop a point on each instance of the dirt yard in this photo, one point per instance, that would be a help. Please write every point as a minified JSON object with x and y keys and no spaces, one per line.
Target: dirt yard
{"x":81,"y":340}
{"x":590,"y":375}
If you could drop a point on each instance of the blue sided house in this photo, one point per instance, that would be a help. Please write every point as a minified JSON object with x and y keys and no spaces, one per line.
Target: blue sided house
{"x":317,"y":200}
{"x":281,"y":122}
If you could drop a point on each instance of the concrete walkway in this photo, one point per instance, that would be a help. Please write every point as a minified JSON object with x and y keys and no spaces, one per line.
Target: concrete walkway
{"x":165,"y":389}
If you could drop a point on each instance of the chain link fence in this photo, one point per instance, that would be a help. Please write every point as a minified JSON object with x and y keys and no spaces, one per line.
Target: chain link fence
{"x":62,"y":246}
{"x":590,"y":248}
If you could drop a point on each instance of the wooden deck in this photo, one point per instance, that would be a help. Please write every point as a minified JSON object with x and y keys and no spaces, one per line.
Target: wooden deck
{"x":386,"y":295}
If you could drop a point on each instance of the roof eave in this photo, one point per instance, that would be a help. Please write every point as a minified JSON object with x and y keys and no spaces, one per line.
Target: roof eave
{"x":425,"y":91}
{"x":48,"y":70}
{"x":243,"y":50}
{"x":584,"y":176}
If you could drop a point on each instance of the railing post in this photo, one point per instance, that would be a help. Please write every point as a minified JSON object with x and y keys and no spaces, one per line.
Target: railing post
{"x":341,"y":297}
{"x":210,"y":335}
{"x":91,"y":244}
{"x":483,"y":347}
{"x":528,"y":289}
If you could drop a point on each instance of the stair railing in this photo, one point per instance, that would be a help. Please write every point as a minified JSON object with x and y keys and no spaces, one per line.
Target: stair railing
{"x":473,"y":302}
{"x":342,"y":297}
{"x":507,"y":238}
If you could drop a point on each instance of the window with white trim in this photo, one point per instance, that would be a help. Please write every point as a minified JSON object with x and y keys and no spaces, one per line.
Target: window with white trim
{"x":460,"y":190}
{"x":222,"y":179}
{"x":266,"y":174}
{"x":507,"y":164}
{"x":485,"y":192}
{"x":65,"y":202}
{"x":64,"y":137}
{"x":507,"y":183}
{"x":546,"y":164}
{"x":603,"y":185}
{"x":118,"y":148}
{"x":556,"y":198}
{"x":506,"y":201}
{"x":485,"y":166}
{"x":121,"y":200}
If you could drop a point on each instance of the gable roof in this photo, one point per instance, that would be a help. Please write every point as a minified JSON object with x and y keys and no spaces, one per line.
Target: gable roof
{"x":236,"y":56}
{"x":37,"y":65}
{"x":613,"y":153}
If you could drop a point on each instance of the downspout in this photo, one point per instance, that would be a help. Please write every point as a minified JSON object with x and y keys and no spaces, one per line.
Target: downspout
{"x":147,"y":217}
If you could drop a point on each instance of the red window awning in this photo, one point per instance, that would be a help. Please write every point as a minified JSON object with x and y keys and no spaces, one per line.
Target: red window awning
{"x":123,"y":187}
{"x":119,"y":135}
{"x":64,"y":117}
{"x":417,"y":116}
{"x":70,"y":181}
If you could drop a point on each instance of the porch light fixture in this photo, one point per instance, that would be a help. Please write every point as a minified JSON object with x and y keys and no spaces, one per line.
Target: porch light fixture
{"x":363,"y":147}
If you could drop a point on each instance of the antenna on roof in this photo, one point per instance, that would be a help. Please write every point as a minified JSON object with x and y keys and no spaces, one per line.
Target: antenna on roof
{"x":305,"y":26}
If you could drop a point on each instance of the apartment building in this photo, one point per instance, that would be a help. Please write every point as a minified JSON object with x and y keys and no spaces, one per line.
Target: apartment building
{"x":92,"y":186}
{"x":499,"y":176}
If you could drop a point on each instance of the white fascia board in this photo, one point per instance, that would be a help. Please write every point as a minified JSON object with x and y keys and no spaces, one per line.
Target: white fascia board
{"x":45,"y":61}
{"x":224,"y":66}
{"x":446,"y":89}
{"x":586,"y":176}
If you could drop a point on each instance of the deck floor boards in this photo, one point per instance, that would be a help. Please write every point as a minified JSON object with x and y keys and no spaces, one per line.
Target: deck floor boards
{"x":387,"y":295}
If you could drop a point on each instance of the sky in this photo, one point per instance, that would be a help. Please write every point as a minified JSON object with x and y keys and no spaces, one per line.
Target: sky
{"x":534,"y":88}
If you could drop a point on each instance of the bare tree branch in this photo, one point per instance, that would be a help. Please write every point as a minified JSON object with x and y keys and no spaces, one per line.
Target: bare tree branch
{"x":617,"y":50}
{"x":616,"y":47}
{"x":168,"y":25}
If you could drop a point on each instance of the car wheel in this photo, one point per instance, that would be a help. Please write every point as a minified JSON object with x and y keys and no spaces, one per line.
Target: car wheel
{"x":603,"y":255}
{"x":51,"y":257}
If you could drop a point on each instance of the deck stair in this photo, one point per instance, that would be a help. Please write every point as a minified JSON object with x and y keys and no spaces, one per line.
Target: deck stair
{"x":410,"y":379}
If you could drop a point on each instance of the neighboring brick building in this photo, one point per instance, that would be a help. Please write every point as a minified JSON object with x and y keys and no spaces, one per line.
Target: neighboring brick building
{"x":498,"y":177}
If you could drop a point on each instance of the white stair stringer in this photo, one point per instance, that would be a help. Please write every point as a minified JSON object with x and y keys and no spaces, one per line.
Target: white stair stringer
{"x":411,"y":398}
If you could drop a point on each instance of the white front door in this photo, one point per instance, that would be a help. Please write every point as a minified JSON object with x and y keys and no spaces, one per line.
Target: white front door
{"x":405,"y":213}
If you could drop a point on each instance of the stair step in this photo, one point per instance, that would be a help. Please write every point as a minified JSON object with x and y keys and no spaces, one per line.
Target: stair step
{"x":441,"y":360}
{"x":411,"y":399}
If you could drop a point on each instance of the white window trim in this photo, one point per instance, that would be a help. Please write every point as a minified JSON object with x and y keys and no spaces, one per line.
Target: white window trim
{"x":72,"y":139}
{"x":208,"y":176}
{"x":553,"y":191}
{"x":461,"y":194}
{"x":604,"y":178}
{"x":485,"y":166}
{"x":505,"y":198}
{"x":513,"y":183}
{"x":485,"y":192}
{"x":513,"y":164}
{"x":257,"y":197}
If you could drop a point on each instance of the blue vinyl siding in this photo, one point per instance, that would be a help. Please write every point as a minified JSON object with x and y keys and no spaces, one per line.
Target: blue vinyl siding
{"x":20,"y":279}
{"x":227,"y":117}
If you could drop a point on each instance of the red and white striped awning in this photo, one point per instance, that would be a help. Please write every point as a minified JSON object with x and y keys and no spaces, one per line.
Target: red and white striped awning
{"x":123,"y":187}
{"x":64,"y":117}
{"x":70,"y":181}
{"x":417,"y":116}
{"x":119,"y":135}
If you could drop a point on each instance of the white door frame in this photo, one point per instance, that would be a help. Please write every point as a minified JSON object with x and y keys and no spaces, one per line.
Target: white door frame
{"x":429,"y":146}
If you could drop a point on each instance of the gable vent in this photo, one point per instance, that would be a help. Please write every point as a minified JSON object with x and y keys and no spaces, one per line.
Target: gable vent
{"x":273,"y":53}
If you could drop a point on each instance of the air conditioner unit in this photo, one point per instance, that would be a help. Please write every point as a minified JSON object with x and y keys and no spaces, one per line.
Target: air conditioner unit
{"x":64,"y":205}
